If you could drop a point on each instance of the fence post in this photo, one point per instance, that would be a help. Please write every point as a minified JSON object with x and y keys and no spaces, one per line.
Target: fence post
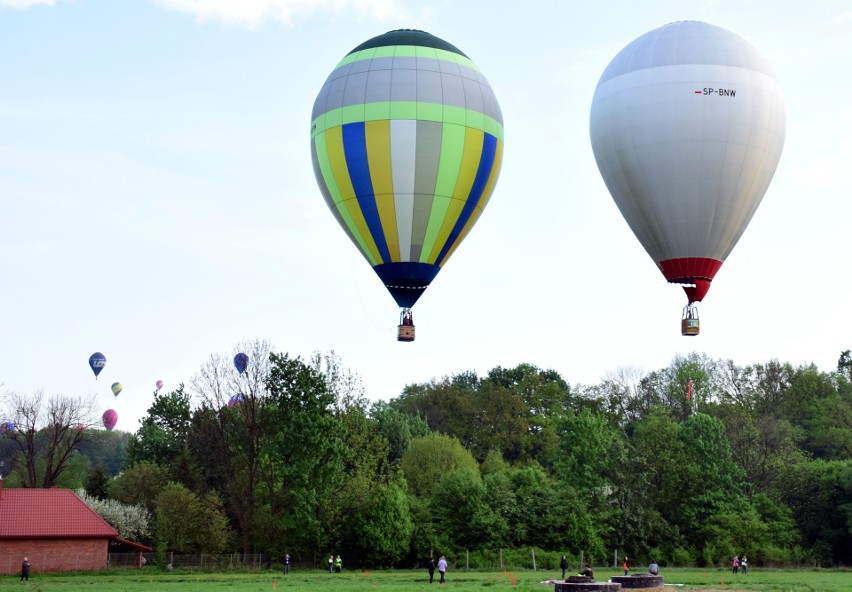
{"x":615,"y":558}
{"x":532,"y":549}
{"x":466,"y":560}
{"x":501,"y":559}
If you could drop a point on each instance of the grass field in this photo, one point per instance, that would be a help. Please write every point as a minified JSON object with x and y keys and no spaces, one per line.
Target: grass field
{"x":149,"y":579}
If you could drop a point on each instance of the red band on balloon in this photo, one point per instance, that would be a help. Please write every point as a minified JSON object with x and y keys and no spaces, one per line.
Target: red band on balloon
{"x":691,"y":270}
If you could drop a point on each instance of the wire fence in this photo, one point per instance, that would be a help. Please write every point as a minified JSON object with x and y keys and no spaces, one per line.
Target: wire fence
{"x":205,"y":561}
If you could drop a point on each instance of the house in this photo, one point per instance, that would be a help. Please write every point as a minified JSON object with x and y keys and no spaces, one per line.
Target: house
{"x":55,"y":529}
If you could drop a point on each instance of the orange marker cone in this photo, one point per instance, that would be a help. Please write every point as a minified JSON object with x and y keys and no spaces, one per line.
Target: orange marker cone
{"x":366,"y":572}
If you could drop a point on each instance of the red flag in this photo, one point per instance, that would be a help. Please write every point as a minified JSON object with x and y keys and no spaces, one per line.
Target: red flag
{"x":689,"y":390}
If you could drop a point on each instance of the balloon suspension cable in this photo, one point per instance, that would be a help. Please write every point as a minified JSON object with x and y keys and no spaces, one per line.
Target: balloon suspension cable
{"x":357,"y":287}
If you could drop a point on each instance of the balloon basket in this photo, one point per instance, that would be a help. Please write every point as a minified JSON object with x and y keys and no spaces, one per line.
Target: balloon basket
{"x":405,"y":333}
{"x":689,"y":323}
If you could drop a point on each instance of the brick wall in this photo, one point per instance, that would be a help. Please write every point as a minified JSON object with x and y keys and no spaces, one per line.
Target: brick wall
{"x":53,"y":554}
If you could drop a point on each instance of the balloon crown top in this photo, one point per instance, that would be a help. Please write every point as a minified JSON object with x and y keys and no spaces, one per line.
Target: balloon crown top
{"x":687,"y":43}
{"x":408,"y":37}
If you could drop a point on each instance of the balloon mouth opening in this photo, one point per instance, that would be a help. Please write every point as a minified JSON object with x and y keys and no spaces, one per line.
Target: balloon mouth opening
{"x":695,"y":292}
{"x":695,"y":272}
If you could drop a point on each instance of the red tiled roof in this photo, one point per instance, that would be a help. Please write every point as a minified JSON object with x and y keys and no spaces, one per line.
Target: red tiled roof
{"x":48,"y":513}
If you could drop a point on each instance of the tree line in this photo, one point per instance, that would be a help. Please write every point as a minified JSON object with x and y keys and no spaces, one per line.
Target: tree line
{"x":689,"y":464}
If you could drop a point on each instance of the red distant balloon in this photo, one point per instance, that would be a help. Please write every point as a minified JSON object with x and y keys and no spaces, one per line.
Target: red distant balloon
{"x":110,"y":418}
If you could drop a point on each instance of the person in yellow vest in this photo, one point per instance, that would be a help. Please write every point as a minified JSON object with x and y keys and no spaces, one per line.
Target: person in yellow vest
{"x":338,"y":564}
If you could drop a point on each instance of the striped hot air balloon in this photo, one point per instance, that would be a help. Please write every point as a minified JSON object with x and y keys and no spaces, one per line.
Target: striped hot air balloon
{"x":687,"y":126}
{"x":406,"y":142}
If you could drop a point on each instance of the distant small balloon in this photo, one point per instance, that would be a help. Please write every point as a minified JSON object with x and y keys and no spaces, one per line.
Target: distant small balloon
{"x":159,"y":384}
{"x":235,"y":400}
{"x":116,"y":388}
{"x":97,"y":361}
{"x":7,"y":426}
{"x":110,"y":418}
{"x":241,"y":362}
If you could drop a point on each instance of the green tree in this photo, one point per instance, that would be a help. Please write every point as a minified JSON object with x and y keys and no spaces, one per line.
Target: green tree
{"x":461,"y":514}
{"x":301,"y":455}
{"x":97,"y":483}
{"x":761,"y":444}
{"x":428,"y":459}
{"x":226,"y":440}
{"x":139,"y":485}
{"x":398,"y":428}
{"x":819,"y":495}
{"x":448,"y":406}
{"x":380,"y":531}
{"x":585,"y":441}
{"x":188,"y":523}
{"x":164,"y":432}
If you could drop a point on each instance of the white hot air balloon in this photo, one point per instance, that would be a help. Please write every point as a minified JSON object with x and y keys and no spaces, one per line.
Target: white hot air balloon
{"x":687,"y":126}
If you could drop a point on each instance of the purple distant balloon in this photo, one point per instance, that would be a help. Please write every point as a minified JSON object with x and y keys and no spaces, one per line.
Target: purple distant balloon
{"x":159,"y":384}
{"x":110,"y":418}
{"x":241,"y":362}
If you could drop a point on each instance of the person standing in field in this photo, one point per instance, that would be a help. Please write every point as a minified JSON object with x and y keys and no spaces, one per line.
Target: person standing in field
{"x":626,"y":565}
{"x":735,"y":563}
{"x":431,"y":567}
{"x":286,"y":562}
{"x":744,"y":564}
{"x":442,"y":567}
{"x":25,"y":569}
{"x":331,"y":563}
{"x":563,"y":563}
{"x":338,"y":564}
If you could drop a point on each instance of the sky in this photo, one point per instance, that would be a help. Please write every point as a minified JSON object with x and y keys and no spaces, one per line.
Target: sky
{"x":158,"y":203}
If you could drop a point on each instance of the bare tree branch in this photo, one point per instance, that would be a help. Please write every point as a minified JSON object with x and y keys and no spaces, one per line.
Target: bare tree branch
{"x":47,"y":431}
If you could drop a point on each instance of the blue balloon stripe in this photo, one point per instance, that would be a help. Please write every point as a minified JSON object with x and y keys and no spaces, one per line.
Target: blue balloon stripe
{"x":486,"y":163}
{"x":355,"y":149}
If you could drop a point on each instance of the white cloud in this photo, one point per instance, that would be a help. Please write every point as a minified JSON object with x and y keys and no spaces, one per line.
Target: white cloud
{"x":843,"y":17}
{"x":252,"y":13}
{"x":23,"y":4}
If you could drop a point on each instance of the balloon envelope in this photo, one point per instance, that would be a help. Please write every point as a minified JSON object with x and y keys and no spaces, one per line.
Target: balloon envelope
{"x":159,"y":384}
{"x":110,"y":418}
{"x":687,"y":126}
{"x":241,"y":362}
{"x":406,"y":144}
{"x":116,"y":388}
{"x":97,"y":361}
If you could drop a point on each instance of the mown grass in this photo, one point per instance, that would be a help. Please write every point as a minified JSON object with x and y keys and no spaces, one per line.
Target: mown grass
{"x":151,"y":579}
